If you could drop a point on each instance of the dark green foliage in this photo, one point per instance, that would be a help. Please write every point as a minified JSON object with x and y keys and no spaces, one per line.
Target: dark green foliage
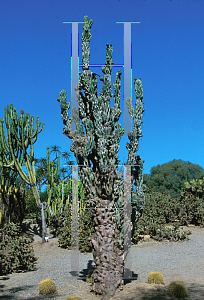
{"x":201,"y":176}
{"x":86,"y":231}
{"x":171,"y":176}
{"x":31,"y":205}
{"x":177,"y":289}
{"x":192,"y":204}
{"x":61,"y":227}
{"x":12,"y":205}
{"x":158,"y":212}
{"x":16,"y":253}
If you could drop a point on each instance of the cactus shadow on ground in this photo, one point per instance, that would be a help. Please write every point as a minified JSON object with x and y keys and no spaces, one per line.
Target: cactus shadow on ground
{"x":83,"y":274}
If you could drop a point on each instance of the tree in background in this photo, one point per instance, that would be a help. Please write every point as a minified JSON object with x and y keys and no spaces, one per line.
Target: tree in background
{"x":172,"y":176}
{"x":103,"y":186}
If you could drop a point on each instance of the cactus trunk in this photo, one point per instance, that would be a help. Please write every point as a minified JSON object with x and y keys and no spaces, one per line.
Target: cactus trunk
{"x":107,"y":257}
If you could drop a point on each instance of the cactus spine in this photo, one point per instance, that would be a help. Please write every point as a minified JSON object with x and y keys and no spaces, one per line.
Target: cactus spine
{"x":103,"y":187}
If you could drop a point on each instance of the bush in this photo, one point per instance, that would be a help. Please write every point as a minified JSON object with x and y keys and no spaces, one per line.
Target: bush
{"x":16,"y":253}
{"x":61,"y":227}
{"x":192,"y":204}
{"x":159,"y":211}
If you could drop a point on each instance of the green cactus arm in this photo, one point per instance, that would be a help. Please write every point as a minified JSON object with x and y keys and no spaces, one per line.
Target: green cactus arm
{"x":48,"y":165}
{"x":16,"y":161}
{"x":86,"y":36}
{"x":38,"y":124}
{"x":64,"y":105}
{"x":4,"y":147}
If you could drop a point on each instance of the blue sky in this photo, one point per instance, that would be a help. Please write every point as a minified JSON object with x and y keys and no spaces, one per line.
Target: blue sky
{"x":167,"y":53}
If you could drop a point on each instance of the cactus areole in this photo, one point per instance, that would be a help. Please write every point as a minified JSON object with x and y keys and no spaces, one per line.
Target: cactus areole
{"x":103,"y":186}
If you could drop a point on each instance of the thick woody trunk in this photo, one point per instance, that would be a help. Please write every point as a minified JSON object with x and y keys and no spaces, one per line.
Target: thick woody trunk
{"x":108,"y":258}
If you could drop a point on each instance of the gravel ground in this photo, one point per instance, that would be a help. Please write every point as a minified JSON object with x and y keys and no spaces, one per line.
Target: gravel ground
{"x":182,"y":261}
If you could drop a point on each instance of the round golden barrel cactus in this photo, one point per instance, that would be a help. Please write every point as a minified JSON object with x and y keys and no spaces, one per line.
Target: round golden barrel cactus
{"x":155,"y":278}
{"x":47,"y":287}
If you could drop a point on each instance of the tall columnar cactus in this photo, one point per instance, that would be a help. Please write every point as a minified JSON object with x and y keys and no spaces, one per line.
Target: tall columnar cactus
{"x":10,"y":198}
{"x":61,"y":195}
{"x":51,"y":172}
{"x":103,"y":187}
{"x":21,"y":135}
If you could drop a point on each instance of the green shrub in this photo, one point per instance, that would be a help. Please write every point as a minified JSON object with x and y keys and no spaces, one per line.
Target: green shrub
{"x":16,"y":253}
{"x":177,"y":289}
{"x":31,"y":205}
{"x":192,"y":204}
{"x":47,"y":287}
{"x":159,"y":211}
{"x":61,"y":227}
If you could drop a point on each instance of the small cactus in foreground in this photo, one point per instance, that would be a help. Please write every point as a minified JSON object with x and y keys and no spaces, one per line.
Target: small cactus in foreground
{"x":47,"y":287}
{"x":90,"y":278}
{"x":177,"y":289}
{"x":155,"y":278}
{"x":73,"y":298}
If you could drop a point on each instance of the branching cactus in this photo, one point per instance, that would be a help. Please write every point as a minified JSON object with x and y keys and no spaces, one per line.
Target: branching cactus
{"x":103,"y":186}
{"x":8,"y":178}
{"x":21,"y":135}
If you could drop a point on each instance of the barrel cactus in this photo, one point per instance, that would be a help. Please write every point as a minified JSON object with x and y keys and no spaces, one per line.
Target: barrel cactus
{"x":155,"y":278}
{"x":177,"y":289}
{"x":47,"y":287}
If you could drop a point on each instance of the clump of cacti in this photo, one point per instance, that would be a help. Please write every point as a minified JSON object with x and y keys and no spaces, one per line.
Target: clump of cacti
{"x":177,"y":289}
{"x":47,"y":287}
{"x":73,"y":298}
{"x":155,"y":278}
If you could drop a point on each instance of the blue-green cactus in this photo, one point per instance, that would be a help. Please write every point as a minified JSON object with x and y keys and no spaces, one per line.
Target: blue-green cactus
{"x":103,"y":186}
